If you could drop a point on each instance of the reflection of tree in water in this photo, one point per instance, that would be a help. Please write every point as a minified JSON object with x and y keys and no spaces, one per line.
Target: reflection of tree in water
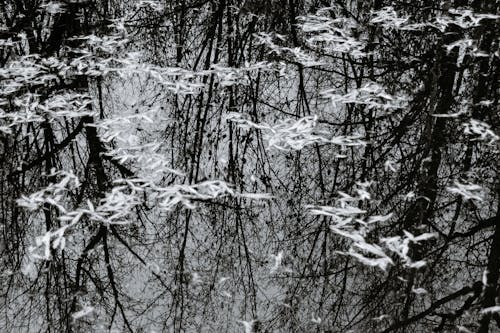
{"x":257,"y":166}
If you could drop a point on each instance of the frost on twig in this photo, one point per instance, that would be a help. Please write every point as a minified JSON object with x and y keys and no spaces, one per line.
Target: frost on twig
{"x":293,"y":134}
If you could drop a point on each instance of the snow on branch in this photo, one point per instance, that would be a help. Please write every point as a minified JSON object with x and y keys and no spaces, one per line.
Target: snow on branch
{"x":294,"y":54}
{"x":294,"y":134}
{"x":464,"y":18}
{"x":117,"y":206}
{"x":348,"y":221}
{"x":370,"y":94}
{"x":53,"y":194}
{"x":467,"y":191}
{"x":335,"y":35}
{"x":31,"y":109}
{"x":480,"y":130}
{"x":230,"y":76}
{"x":388,"y":18}
{"x":169,"y":197}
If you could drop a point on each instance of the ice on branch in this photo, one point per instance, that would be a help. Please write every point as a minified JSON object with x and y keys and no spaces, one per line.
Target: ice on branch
{"x":491,"y":309}
{"x":54,"y":195}
{"x":50,"y":240}
{"x":96,"y":56}
{"x":117,"y":205}
{"x":248,"y":325}
{"x":390,"y":166}
{"x":277,"y":259}
{"x":114,"y":59}
{"x":463,"y":44}
{"x":294,"y":134}
{"x":30,"y":108}
{"x":109,"y":44}
{"x":119,"y":128}
{"x":186,"y":195}
{"x":377,"y":259}
{"x":400,"y":245}
{"x":335,"y":211}
{"x":419,"y":291}
{"x":70,"y":105}
{"x":147,"y":161}
{"x":29,"y":71}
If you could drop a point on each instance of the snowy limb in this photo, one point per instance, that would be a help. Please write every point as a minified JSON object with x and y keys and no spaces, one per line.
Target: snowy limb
{"x":371,"y":94}
{"x":389,"y":166}
{"x":492,"y":309}
{"x":85,"y":311}
{"x":467,"y":191}
{"x":53,"y":194}
{"x":293,"y":134}
{"x":277,"y":262}
{"x":334,"y":35}
{"x":348,"y":222}
{"x":464,"y":18}
{"x":481,"y":130}
{"x":293,"y":54}
{"x":388,"y":18}
{"x":247,"y":325}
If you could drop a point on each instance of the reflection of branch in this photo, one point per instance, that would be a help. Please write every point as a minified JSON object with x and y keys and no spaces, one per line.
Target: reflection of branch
{"x":92,"y":244}
{"x":112,"y":279}
{"x":492,"y":276}
{"x":57,"y":147}
{"x":457,"y":313}
{"x":483,"y":225}
{"x":126,"y":172}
{"x":121,"y":240}
{"x":477,"y":287}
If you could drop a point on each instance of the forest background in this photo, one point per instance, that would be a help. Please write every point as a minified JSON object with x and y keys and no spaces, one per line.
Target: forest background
{"x":243,"y":165}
